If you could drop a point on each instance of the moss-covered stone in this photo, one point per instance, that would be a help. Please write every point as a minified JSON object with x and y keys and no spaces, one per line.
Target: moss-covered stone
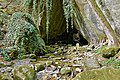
{"x":59,"y":51}
{"x":4,"y":76}
{"x":23,"y":73}
{"x":23,"y":35}
{"x":33,"y":56}
{"x":99,"y":74}
{"x":48,"y":63}
{"x":39,"y":67}
{"x":13,"y":54}
{"x":2,"y":65}
{"x":65,"y":70}
{"x":109,"y":52}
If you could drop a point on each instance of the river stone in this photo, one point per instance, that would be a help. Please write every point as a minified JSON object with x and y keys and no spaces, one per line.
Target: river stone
{"x":39,"y":67}
{"x":4,"y":76}
{"x":33,"y":56}
{"x":48,"y":63}
{"x":65,"y":70}
{"x":109,"y":52}
{"x":23,"y":73}
{"x":2,"y":64}
{"x":91,"y":63}
{"x":99,"y":74}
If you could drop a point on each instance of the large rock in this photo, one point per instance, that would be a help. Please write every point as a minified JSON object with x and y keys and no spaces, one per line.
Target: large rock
{"x":23,"y":35}
{"x":89,"y":25}
{"x":112,"y":11}
{"x":23,"y":73}
{"x":99,"y":74}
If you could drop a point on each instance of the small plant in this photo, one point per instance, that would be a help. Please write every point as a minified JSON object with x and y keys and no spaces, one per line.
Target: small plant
{"x":6,"y":57}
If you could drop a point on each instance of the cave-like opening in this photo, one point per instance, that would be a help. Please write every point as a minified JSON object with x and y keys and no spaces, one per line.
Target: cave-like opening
{"x":71,"y":37}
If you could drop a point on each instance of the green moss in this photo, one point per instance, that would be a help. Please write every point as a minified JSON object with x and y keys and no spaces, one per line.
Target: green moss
{"x":39,"y":67}
{"x":23,"y":73}
{"x":23,"y":36}
{"x":108,"y":52}
{"x":4,"y":76}
{"x":99,"y":74}
{"x":65,"y":70}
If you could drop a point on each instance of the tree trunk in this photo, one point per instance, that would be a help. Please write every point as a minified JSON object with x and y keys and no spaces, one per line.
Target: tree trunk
{"x":111,"y":35}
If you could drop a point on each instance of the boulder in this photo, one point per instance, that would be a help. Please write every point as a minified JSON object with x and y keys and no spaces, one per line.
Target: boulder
{"x":23,"y":73}
{"x":23,"y":36}
{"x":99,"y":74}
{"x":65,"y":70}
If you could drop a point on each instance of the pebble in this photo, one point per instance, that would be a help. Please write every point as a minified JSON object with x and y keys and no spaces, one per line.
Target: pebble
{"x":78,"y":70}
{"x":9,"y":69}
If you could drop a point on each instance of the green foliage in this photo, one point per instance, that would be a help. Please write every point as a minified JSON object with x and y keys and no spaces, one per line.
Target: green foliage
{"x":48,"y":10}
{"x":113,"y":62}
{"x":36,"y":8}
{"x":68,"y":12}
{"x":23,"y":35}
{"x":26,"y":5}
{"x":6,"y":57}
{"x":98,"y":51}
{"x":109,"y":61}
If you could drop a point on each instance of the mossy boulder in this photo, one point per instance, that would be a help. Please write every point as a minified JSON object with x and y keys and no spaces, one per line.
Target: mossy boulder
{"x":23,"y":73}
{"x":99,"y":74}
{"x":109,"y":52}
{"x":48,"y":63}
{"x":23,"y":35}
{"x":65,"y":70}
{"x":39,"y":67}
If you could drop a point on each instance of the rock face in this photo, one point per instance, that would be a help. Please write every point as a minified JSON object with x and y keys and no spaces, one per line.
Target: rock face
{"x":89,"y":25}
{"x":57,"y":20}
{"x":113,"y":13}
{"x":23,"y":73}
{"x":100,"y":74}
